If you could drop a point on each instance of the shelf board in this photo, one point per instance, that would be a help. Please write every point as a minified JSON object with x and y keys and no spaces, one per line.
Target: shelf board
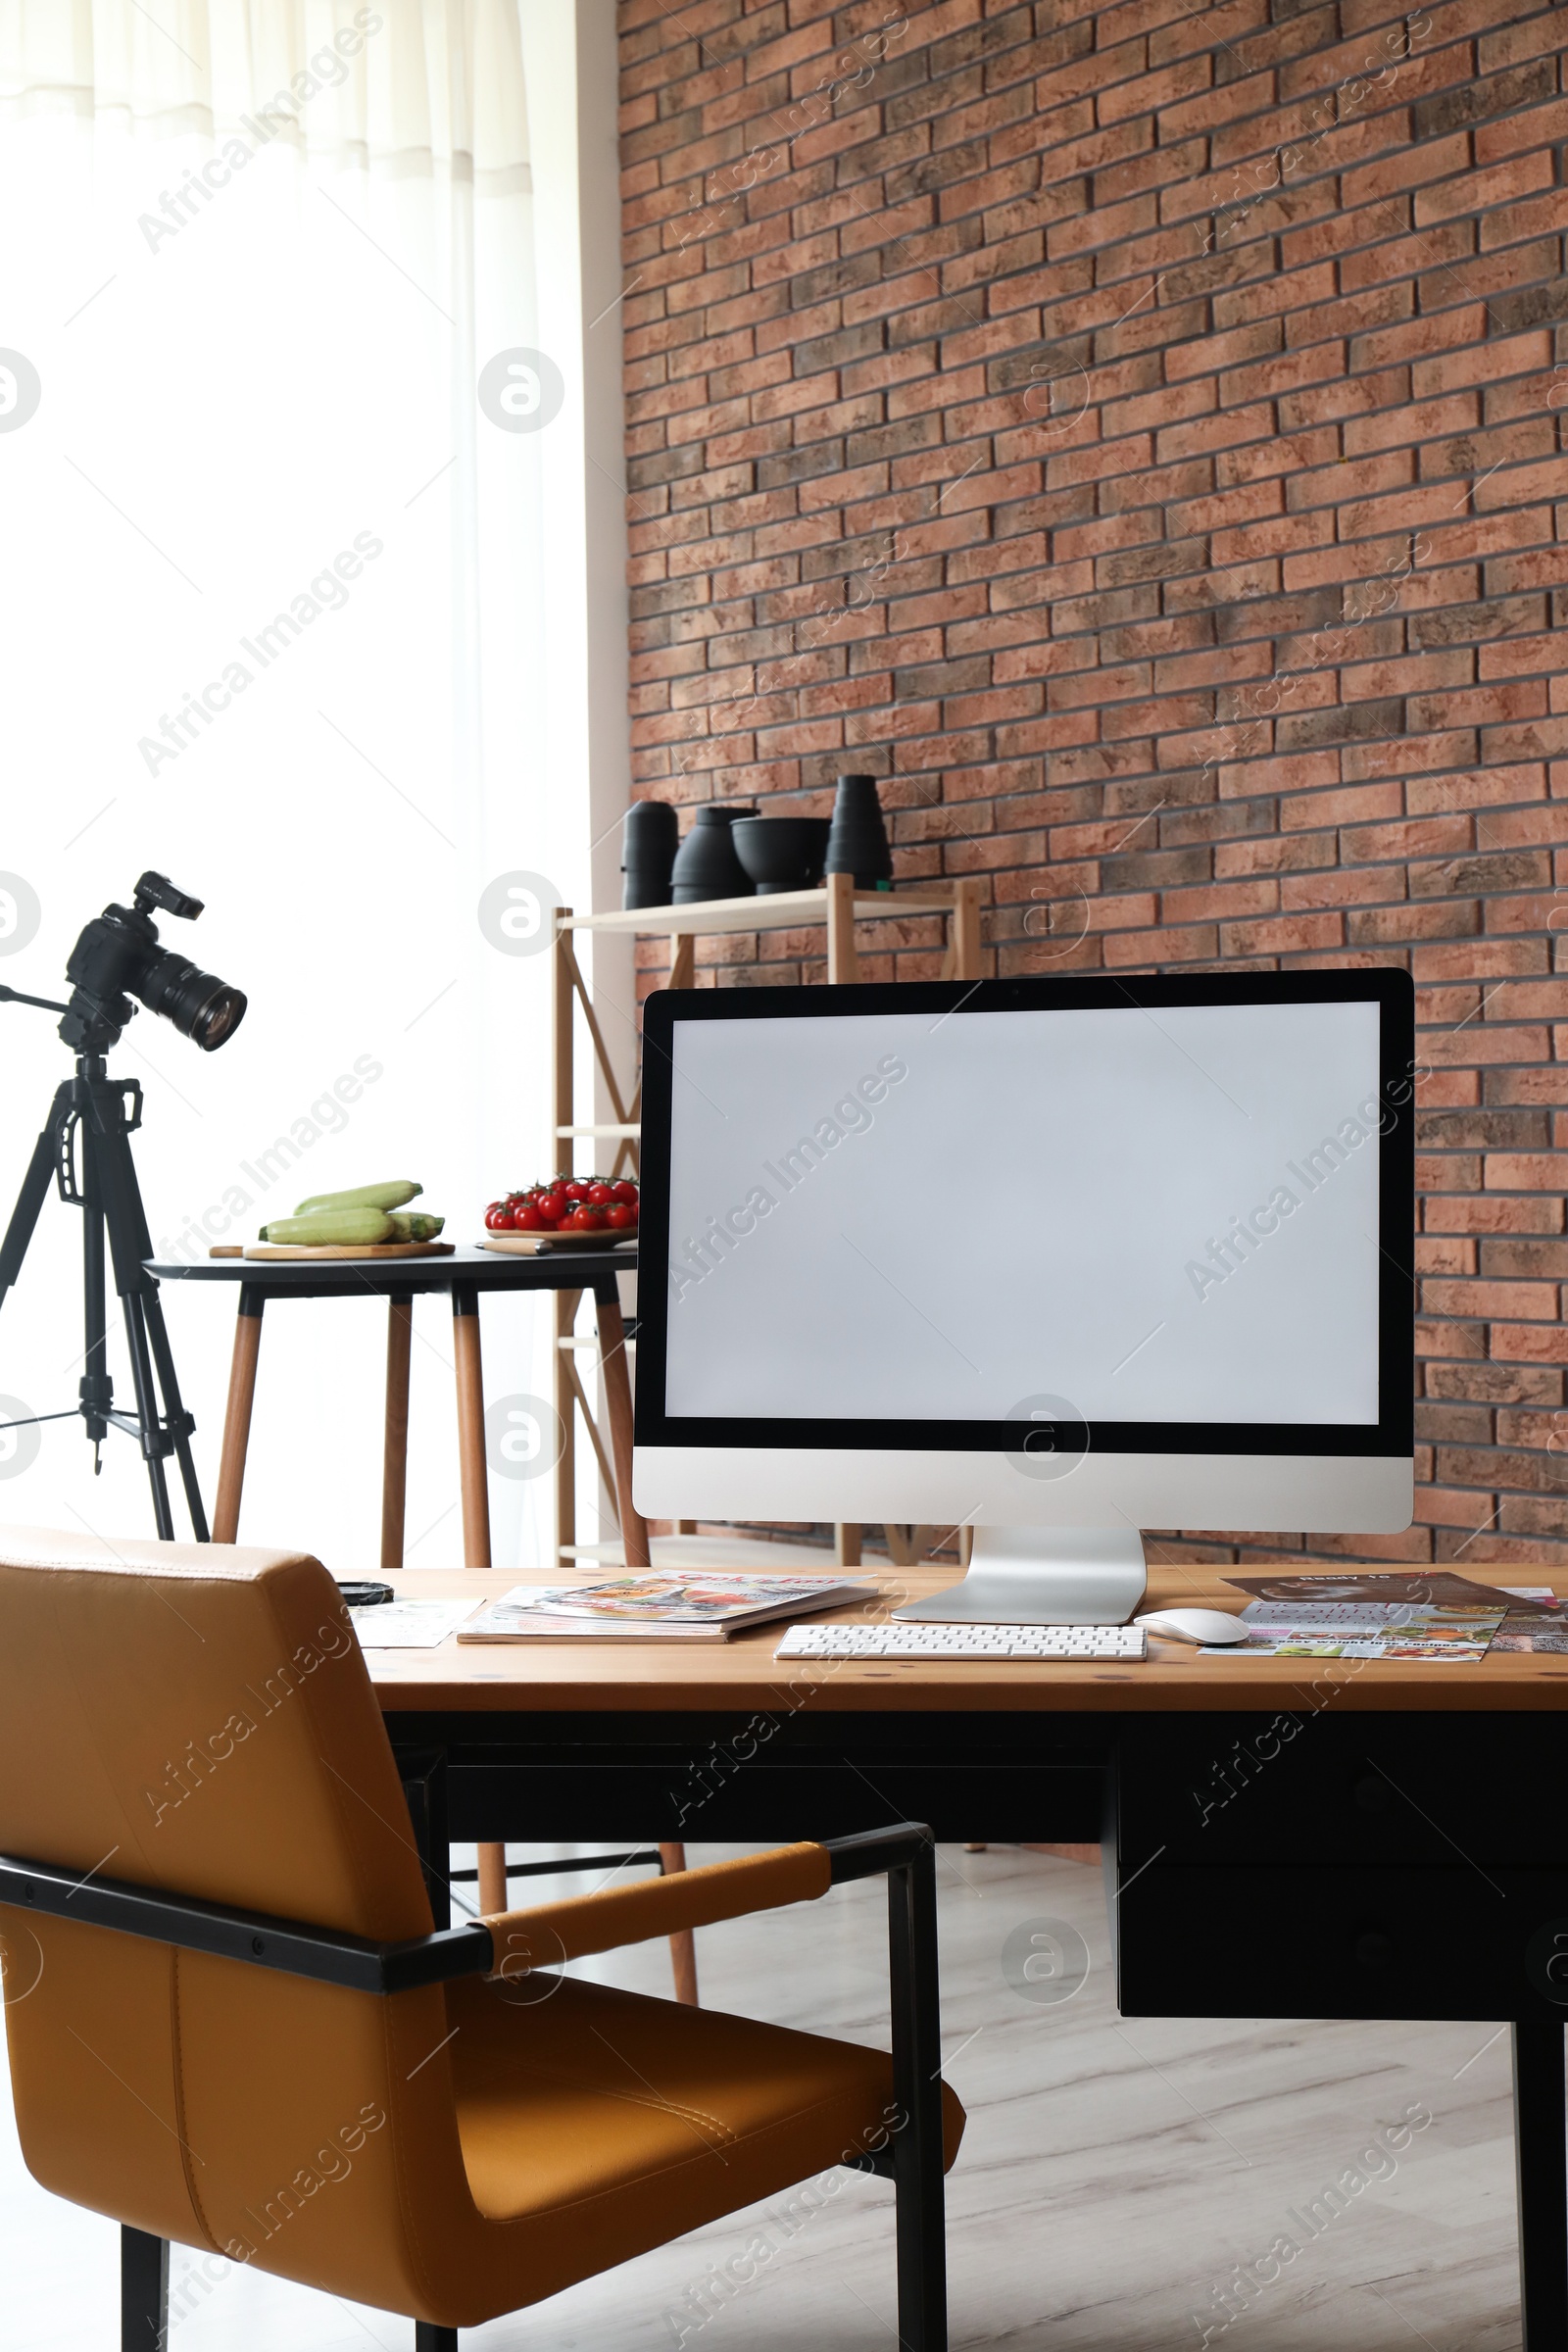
{"x":780,"y":910}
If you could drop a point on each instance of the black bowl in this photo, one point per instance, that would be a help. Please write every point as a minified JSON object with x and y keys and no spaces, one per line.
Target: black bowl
{"x":782,"y":852}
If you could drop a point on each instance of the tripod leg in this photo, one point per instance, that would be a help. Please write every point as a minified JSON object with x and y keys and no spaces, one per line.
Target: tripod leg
{"x":168,"y":1382}
{"x":141,"y":1375}
{"x":95,"y":1388}
{"x":113,"y":1194}
{"x":35,"y":1191}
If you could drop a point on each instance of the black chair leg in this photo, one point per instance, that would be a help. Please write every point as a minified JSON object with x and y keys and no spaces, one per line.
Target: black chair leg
{"x":143,"y":2291}
{"x":1540,"y":2144}
{"x":917,"y":2089}
{"x":434,"y":2339}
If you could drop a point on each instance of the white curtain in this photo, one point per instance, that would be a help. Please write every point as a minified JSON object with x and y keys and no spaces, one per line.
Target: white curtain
{"x":270,"y":590}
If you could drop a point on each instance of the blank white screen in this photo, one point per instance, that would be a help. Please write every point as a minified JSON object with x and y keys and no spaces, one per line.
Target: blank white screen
{"x":1028,"y":1211}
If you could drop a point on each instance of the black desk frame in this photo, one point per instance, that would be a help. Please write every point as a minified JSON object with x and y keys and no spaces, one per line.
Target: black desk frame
{"x":1422,"y":1885}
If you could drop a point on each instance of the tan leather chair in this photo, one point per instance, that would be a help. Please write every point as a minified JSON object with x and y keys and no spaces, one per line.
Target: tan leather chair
{"x":231,"y":2024}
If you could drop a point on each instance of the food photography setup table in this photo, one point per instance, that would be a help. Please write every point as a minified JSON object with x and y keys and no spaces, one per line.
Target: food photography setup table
{"x":463,"y":1274}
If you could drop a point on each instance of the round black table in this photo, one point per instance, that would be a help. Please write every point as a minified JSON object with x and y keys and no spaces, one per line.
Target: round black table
{"x":400,"y":1280}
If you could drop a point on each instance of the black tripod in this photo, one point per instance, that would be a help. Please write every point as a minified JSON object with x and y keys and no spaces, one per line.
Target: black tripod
{"x":105,"y":1112}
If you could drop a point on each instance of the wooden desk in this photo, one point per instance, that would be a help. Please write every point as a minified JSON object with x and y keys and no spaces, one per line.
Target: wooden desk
{"x":1348,"y":1839}
{"x":741,"y":1674}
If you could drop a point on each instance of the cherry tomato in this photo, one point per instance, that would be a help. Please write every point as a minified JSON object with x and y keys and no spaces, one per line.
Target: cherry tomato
{"x":497,"y":1216}
{"x":585,"y":1220}
{"x":620,"y":1217}
{"x":526,"y":1219}
{"x":625,"y":1190}
{"x":550,"y":1207}
{"x":575,"y":1191}
{"x":599,"y":1195}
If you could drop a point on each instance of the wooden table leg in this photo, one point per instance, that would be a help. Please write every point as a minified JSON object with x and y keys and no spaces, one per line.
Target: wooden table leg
{"x":682,"y":1945}
{"x":471,"y":1466}
{"x":474,"y":1474}
{"x":565,"y":1472}
{"x":847,"y":1544}
{"x":492,"y":1861}
{"x":395,"y":1443}
{"x":613,"y":1371}
{"x":237,"y":1417}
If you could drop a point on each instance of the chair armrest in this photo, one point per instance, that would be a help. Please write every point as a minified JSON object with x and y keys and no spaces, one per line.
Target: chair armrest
{"x":547,"y":1934}
{"x":869,"y":1852}
{"x":292,"y":1947}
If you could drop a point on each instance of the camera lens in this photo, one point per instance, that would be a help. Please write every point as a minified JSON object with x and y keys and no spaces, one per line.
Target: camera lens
{"x":201,"y":1007}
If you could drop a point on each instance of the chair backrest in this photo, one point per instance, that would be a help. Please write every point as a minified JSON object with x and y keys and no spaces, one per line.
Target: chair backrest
{"x":200,"y":1719}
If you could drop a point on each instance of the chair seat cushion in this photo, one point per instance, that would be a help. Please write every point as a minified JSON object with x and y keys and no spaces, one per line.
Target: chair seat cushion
{"x":626,"y":2121}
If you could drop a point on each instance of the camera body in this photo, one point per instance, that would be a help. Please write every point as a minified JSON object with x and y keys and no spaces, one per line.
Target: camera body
{"x":118,"y":956}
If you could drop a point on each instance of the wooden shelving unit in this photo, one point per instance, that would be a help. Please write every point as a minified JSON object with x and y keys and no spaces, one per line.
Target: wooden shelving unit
{"x":840,"y":908}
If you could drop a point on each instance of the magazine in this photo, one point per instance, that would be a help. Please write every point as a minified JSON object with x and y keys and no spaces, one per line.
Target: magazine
{"x":1363,"y":1630}
{"x":1540,"y":1629}
{"x":657,"y":1606}
{"x":1427,"y":1589}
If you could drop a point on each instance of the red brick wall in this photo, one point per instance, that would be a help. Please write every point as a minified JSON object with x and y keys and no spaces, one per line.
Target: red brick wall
{"x":1132,"y":432}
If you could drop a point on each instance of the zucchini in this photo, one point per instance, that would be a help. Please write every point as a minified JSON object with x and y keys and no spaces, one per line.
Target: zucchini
{"x":414,"y":1225}
{"x":365,"y":1196}
{"x":358,"y":1227}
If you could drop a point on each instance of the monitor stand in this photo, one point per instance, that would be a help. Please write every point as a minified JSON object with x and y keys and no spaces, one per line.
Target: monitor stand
{"x":1042,"y":1575}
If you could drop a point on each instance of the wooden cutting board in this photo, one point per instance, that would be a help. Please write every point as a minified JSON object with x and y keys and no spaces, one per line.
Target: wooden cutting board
{"x":532,"y":1244}
{"x":278,"y":1250}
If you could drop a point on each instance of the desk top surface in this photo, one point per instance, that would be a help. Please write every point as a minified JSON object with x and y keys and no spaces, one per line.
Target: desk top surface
{"x":742,"y":1675}
{"x":382,"y":1277}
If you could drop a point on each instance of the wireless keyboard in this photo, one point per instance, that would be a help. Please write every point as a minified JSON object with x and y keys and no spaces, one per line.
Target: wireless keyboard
{"x":1110,"y":1642}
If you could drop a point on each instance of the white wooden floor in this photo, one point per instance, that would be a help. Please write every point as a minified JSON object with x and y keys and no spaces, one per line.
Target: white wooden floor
{"x":1114,"y":2176}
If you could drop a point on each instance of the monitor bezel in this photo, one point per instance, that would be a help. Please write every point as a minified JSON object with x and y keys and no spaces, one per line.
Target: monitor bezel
{"x":1391,"y":1435}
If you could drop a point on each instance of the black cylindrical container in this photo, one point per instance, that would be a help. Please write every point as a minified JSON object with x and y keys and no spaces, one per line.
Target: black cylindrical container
{"x":649,"y":843}
{"x":858,"y":844}
{"x":705,"y":863}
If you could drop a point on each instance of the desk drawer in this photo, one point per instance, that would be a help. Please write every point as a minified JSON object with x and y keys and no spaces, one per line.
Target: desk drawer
{"x":1275,"y":1941}
{"x":1366,"y":1788}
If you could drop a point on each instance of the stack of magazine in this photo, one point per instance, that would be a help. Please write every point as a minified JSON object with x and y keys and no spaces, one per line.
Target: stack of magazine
{"x":658,"y":1607}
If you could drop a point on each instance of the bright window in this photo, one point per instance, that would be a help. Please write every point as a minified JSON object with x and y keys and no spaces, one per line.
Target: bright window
{"x":276,"y":606}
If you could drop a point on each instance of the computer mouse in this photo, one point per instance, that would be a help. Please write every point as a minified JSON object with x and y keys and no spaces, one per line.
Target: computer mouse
{"x":1194,"y":1625}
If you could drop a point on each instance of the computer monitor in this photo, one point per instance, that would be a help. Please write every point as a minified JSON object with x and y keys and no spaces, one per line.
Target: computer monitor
{"x":1055,"y":1259}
